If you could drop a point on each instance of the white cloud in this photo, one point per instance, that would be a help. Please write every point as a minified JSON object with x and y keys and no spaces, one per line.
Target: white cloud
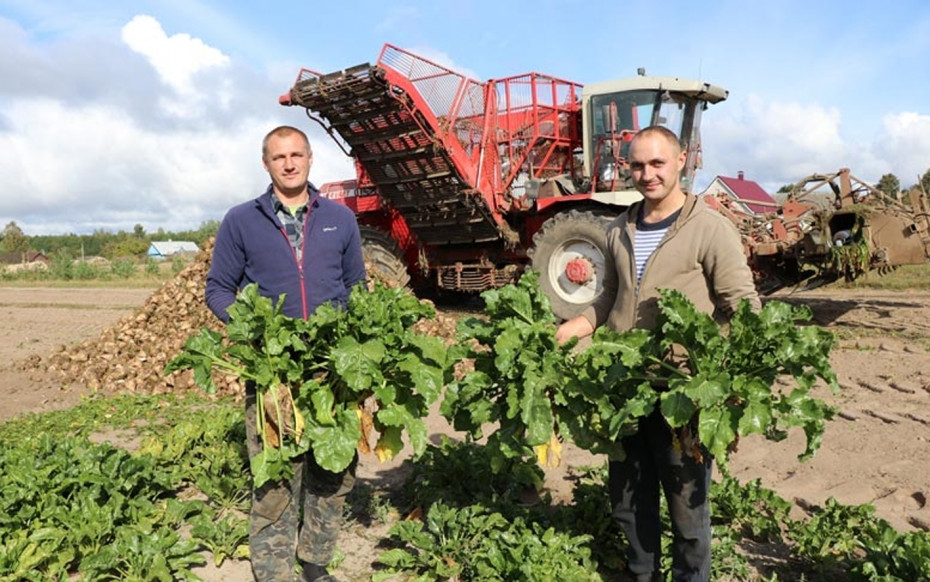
{"x":905,"y":143}
{"x":169,"y":146}
{"x":770,"y":137}
{"x":777,"y":143}
{"x":176,"y":58}
{"x":103,"y":170}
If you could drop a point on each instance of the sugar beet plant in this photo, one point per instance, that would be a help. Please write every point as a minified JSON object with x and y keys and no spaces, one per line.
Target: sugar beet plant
{"x":732,"y":378}
{"x":518,"y":378}
{"x":718,"y":382}
{"x":312,"y":377}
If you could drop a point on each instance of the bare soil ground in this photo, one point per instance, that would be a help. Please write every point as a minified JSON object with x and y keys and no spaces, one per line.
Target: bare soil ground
{"x":877,"y":450}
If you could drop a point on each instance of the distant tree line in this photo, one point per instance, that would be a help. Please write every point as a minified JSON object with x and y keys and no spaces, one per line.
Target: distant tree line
{"x":102,"y":243}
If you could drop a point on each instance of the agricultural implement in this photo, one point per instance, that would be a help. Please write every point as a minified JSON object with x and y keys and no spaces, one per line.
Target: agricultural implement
{"x":831,"y":227}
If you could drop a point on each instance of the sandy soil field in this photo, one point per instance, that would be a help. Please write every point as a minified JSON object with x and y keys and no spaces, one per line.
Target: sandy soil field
{"x":877,"y":450}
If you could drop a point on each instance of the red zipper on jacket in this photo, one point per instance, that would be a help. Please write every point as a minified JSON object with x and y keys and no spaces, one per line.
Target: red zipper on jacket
{"x":303,"y":245}
{"x":303,"y":251}
{"x":300,"y":266}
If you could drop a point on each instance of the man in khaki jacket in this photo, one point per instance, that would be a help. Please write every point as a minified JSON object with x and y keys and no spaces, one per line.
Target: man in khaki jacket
{"x":669,"y":240}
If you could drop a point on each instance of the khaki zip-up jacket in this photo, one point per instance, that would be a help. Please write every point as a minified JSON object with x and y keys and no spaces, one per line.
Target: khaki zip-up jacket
{"x":701,"y":255}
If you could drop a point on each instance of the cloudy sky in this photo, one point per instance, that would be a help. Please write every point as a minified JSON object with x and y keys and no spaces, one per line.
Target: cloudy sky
{"x":114,"y":114}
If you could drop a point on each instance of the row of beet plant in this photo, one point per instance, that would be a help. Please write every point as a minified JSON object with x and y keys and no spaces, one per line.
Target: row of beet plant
{"x":75,"y":509}
{"x":479,"y":526}
{"x":719,"y":380}
{"x":314,"y":377}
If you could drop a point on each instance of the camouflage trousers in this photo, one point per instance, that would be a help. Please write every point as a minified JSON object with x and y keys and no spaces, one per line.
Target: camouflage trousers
{"x":306,"y":510}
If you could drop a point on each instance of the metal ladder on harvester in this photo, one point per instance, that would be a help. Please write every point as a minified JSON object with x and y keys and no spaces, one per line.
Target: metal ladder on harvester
{"x":415,"y":127}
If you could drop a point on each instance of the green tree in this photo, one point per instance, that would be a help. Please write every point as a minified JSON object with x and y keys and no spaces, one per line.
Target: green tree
{"x":123,"y":267}
{"x":151,"y":266}
{"x":124,"y":246}
{"x":14,"y":240}
{"x":925,"y":182}
{"x":207,"y":229}
{"x":890,"y":185}
{"x":62,"y":266}
{"x":138,"y":231}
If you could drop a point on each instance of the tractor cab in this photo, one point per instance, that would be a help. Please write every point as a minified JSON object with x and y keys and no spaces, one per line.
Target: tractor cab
{"x":612,"y":113}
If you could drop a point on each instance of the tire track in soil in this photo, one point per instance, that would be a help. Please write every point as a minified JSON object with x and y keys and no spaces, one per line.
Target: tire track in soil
{"x":877,"y":450}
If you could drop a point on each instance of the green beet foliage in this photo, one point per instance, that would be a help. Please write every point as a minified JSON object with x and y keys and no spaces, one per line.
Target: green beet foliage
{"x":331,"y":364}
{"x":752,"y":376}
{"x":518,"y":377}
{"x":525,"y":392}
{"x":721,"y":383}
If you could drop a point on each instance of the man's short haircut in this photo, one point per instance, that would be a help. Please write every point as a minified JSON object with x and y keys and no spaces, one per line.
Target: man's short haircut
{"x":662,"y":131}
{"x":284,"y":131}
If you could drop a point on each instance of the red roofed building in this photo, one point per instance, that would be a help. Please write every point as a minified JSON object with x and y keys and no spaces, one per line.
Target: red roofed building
{"x":746,"y":194}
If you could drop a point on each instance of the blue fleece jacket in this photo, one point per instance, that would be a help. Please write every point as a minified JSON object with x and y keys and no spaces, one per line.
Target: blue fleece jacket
{"x":252,"y":246}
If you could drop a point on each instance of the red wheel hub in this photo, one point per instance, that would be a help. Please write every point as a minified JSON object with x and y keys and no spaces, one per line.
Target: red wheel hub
{"x":579,"y":271}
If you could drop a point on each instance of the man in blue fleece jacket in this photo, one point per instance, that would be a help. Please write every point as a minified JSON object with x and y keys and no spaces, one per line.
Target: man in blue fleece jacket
{"x":289,"y":240}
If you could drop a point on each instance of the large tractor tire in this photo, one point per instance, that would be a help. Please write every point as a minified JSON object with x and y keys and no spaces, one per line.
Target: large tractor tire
{"x":383,"y":260}
{"x":570,"y":253}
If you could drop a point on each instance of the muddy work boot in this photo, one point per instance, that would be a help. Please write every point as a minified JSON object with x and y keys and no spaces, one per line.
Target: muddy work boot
{"x":315,"y":573}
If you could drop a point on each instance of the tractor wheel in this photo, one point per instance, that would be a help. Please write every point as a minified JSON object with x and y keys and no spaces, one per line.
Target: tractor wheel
{"x":570,"y":253}
{"x":383,"y":260}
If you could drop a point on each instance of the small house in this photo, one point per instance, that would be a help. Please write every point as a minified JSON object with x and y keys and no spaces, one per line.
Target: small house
{"x":171,"y":248}
{"x":37,"y":257}
{"x":746,"y":195}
